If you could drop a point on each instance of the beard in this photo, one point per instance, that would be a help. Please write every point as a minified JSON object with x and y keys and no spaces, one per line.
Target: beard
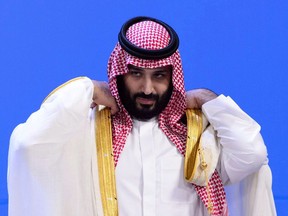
{"x":143,"y":111}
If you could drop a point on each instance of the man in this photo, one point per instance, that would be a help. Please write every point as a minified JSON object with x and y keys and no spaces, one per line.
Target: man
{"x":148,"y":158}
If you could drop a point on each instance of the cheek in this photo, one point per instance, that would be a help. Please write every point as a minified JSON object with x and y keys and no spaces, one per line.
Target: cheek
{"x":132,"y":87}
{"x":162,"y":88}
{"x":164,"y":85}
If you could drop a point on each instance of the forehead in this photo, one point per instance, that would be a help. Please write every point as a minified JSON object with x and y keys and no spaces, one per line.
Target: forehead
{"x":167,"y":68}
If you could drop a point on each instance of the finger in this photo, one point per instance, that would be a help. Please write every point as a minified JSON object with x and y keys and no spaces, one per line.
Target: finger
{"x":190,"y":100}
{"x":114,"y":108}
{"x":93,"y":104}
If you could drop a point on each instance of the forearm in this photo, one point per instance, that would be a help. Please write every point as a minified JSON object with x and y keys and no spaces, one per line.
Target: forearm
{"x":243,"y":149}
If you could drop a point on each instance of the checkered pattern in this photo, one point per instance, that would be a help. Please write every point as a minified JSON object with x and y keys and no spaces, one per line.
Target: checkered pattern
{"x":148,"y":35}
{"x":153,"y":36}
{"x":217,"y":195}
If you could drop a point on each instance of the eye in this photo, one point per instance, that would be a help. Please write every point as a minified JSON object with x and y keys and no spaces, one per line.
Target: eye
{"x":135,"y":73}
{"x":160,"y":75}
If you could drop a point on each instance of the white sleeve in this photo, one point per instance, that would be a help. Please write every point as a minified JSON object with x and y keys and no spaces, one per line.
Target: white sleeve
{"x":50,"y":155}
{"x":64,"y":107}
{"x":243,"y":149}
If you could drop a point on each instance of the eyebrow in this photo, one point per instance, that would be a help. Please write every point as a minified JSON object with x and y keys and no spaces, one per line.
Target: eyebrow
{"x":135,"y":68}
{"x":165,"y":69}
{"x":162,"y":70}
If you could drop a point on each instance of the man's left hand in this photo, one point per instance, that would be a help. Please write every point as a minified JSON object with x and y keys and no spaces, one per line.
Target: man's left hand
{"x":197,"y":97}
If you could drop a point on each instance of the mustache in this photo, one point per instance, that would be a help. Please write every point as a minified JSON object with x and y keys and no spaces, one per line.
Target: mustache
{"x":150,"y":96}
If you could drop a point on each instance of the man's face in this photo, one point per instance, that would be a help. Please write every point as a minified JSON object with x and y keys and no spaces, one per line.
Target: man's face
{"x":145,"y":92}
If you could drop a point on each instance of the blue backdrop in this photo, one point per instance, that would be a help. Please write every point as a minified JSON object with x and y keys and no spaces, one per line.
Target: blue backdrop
{"x":238,"y":48}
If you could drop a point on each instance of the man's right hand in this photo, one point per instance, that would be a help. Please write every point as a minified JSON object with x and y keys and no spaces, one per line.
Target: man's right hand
{"x":103,"y":96}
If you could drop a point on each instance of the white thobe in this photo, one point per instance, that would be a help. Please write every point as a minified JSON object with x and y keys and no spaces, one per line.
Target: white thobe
{"x":149,"y":176}
{"x":149,"y":173}
{"x":52,"y":166}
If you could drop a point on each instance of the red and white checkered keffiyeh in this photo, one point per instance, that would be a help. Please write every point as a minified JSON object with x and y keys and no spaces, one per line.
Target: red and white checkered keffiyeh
{"x":152,"y":36}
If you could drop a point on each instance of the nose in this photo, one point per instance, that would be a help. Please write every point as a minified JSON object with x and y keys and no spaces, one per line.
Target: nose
{"x":148,"y":86}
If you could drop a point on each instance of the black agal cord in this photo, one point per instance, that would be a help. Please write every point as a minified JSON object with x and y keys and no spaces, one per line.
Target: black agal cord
{"x":144,"y":53}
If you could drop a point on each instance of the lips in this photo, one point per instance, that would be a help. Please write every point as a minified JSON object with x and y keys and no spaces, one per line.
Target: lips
{"x":145,"y":101}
